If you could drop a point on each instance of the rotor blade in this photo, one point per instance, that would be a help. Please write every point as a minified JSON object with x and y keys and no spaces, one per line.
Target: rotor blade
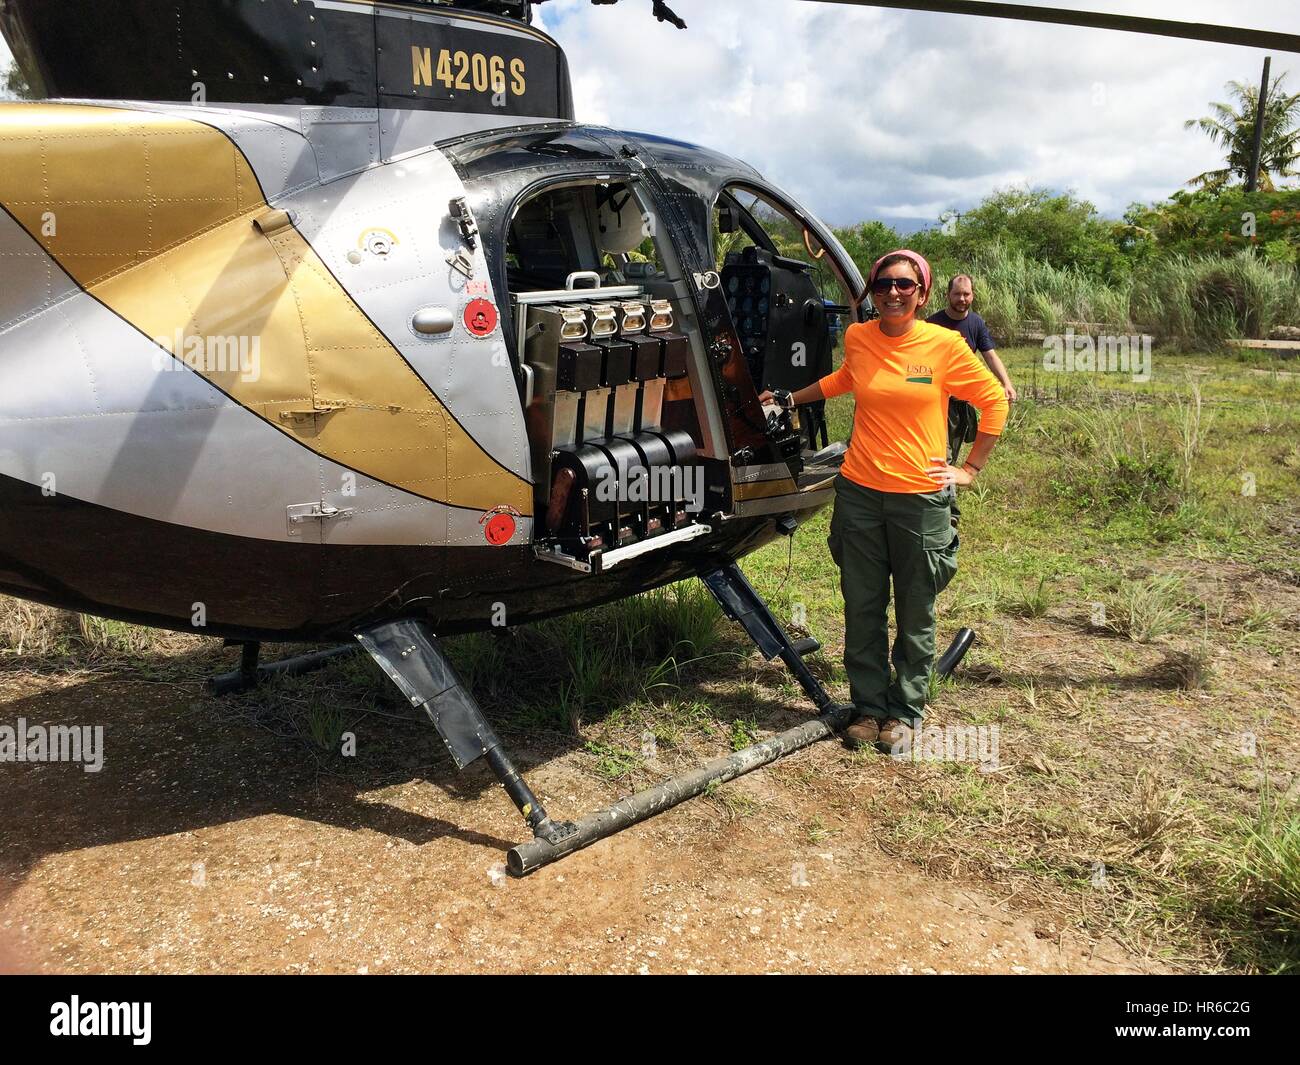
{"x":1194,"y":31}
{"x":1160,"y":27}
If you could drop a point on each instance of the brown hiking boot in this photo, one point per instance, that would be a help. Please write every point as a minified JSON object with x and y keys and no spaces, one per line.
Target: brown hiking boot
{"x":862,"y":733}
{"x":895,"y":736}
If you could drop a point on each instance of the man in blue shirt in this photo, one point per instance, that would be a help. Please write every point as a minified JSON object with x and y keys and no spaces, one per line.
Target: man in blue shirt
{"x":958,"y":316}
{"x":963,"y":419}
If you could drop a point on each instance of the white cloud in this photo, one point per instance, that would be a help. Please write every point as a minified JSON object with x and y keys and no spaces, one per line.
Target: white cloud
{"x":864,"y":113}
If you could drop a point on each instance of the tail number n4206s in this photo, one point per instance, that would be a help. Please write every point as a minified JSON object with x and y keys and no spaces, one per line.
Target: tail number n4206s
{"x":469,"y":71}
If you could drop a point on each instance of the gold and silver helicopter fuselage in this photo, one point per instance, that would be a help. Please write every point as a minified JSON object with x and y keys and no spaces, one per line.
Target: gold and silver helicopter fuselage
{"x":263,"y":366}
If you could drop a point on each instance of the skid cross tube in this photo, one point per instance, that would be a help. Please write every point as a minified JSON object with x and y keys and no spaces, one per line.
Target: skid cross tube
{"x":531,"y":856}
{"x":250,"y":674}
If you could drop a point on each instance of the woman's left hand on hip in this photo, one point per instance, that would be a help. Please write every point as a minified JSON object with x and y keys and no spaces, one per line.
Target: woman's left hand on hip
{"x":945,"y":476}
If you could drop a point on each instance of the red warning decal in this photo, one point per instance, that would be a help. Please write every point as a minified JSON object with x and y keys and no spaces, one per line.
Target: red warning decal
{"x":499,"y":525}
{"x":481,"y":317}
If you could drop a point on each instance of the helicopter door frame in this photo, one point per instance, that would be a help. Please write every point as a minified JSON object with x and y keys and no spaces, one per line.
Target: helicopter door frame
{"x":841,"y":263}
{"x":715,"y":443}
{"x":708,"y":439}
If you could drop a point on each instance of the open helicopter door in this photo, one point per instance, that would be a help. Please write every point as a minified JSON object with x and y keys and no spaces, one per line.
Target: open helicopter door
{"x":788,"y":290}
{"x":620,"y":410}
{"x":641,"y":375}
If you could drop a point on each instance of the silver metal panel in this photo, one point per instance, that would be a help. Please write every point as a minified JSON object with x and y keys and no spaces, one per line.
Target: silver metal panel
{"x":652,"y":403}
{"x":624,"y":409}
{"x":346,"y":139}
{"x":596,"y":414}
{"x":59,"y":365}
{"x":86,"y":398}
{"x":403,"y":131}
{"x":281,"y":157}
{"x":28,"y":287}
{"x":393,"y":132}
{"x":406,"y":204}
{"x":566,"y":419}
{"x":271,"y":139}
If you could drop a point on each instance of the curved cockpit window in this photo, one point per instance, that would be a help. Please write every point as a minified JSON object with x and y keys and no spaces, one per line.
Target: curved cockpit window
{"x":743,"y":218}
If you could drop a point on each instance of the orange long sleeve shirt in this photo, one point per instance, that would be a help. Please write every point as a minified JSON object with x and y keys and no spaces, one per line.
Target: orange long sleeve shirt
{"x":901,"y":386}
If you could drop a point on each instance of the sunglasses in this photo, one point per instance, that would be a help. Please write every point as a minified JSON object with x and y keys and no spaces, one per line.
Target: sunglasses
{"x":881,"y":285}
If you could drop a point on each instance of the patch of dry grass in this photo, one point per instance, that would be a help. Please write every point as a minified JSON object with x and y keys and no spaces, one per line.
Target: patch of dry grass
{"x":30,"y":632}
{"x":1189,"y":670}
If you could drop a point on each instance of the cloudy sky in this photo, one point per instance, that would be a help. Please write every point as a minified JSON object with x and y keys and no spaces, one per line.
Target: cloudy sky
{"x":900,"y":116}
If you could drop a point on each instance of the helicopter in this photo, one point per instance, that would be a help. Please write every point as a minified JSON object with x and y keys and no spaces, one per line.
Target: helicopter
{"x":327,"y":320}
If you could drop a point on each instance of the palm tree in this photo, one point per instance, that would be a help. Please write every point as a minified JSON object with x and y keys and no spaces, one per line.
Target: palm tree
{"x":1233,"y":129}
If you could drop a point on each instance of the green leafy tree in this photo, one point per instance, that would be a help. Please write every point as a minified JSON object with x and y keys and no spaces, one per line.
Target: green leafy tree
{"x":1216,"y":222}
{"x":936,"y":244}
{"x":1232,"y":128}
{"x":868,"y":241}
{"x":1047,"y":227}
{"x":14,"y":85}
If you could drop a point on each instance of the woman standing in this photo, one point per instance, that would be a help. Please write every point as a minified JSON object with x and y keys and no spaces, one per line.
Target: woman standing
{"x":892,"y":517}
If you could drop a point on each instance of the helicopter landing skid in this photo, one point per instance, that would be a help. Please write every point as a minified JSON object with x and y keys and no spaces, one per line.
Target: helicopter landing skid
{"x":250,"y":674}
{"x":408,"y":651}
{"x":743,"y":604}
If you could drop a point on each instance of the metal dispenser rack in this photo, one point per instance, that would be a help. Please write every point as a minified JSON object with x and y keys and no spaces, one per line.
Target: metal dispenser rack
{"x":610,"y":480}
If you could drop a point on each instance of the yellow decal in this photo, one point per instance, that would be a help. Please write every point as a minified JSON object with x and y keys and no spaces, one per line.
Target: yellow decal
{"x":422,"y":66}
{"x":378,"y":241}
{"x":468,"y":72}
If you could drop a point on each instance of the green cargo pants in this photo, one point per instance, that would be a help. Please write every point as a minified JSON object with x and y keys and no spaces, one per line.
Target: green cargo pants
{"x":876,"y":536}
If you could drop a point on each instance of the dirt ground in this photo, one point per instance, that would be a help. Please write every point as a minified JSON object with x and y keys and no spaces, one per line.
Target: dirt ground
{"x":210,"y":846}
{"x":1140,"y":815}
